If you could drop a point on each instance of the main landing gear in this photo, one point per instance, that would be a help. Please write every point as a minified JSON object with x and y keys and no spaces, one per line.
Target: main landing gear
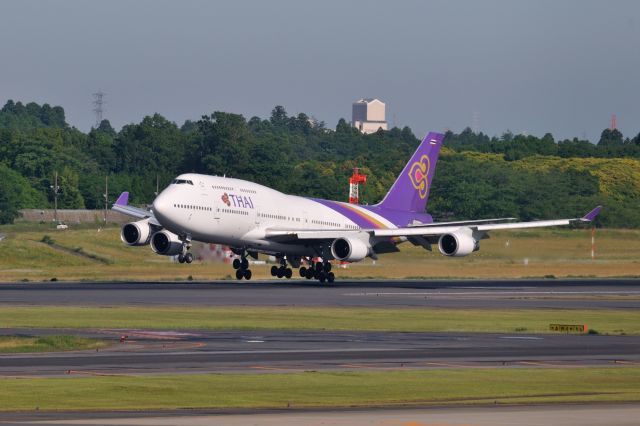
{"x":283,"y":271}
{"x":242,"y":267}
{"x":321,"y":271}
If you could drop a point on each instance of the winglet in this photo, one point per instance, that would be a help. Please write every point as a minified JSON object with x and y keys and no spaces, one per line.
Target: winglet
{"x":123,"y":199}
{"x":592,"y":214}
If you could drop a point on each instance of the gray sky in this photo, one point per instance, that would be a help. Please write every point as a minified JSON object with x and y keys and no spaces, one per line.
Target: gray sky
{"x":562,"y":66}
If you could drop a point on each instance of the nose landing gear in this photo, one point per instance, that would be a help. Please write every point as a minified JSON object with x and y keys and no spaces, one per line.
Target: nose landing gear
{"x":186,"y":256}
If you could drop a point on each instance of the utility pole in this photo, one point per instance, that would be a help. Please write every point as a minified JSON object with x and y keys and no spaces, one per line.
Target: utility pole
{"x":55,"y":189}
{"x":106,"y":197}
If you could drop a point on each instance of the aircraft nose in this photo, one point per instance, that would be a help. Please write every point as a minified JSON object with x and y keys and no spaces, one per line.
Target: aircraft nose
{"x":161,"y":205}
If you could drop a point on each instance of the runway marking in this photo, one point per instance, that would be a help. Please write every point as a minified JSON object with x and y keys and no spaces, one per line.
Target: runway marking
{"x":444,"y":364}
{"x":264,"y":367}
{"x":616,"y":361}
{"x":521,"y":337}
{"x":254,"y":341}
{"x":93,"y":373}
{"x":539,"y":363}
{"x":144,"y":347}
{"x":482,"y":293}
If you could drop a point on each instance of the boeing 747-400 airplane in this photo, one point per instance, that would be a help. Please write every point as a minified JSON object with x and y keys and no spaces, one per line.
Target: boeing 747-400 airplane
{"x":252,"y":218}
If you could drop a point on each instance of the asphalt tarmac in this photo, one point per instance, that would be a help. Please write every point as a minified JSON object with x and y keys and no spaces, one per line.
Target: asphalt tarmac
{"x":198,"y":351}
{"x":505,"y":294}
{"x":539,"y":415}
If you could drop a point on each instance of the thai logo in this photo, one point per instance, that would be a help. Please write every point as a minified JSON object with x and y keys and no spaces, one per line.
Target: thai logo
{"x":418,"y":175}
{"x":225,"y":199}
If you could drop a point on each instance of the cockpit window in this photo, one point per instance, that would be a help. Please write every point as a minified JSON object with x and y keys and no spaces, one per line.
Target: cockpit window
{"x":181,"y":181}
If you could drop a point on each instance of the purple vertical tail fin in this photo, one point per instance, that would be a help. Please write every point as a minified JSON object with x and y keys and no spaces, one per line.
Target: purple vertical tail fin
{"x":410,"y":191}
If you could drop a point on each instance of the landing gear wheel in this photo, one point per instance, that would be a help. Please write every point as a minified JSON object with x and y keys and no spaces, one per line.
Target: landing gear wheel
{"x":288,"y":273}
{"x":247,"y":274}
{"x":236,"y":264}
{"x":327,"y":267}
{"x":303,"y":271}
{"x":240,"y":274}
{"x":322,"y":277}
{"x":188,"y":257}
{"x":274,"y":270}
{"x":318,"y":266}
{"x":280,"y":272}
{"x":331,"y":277}
{"x":309,"y":273}
{"x":244,"y":263}
{"x":181,"y":258}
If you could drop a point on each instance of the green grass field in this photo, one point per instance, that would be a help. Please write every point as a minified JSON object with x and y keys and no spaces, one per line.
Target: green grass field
{"x":86,"y":253}
{"x":314,"y":389}
{"x":57,"y":343}
{"x":313,"y":318}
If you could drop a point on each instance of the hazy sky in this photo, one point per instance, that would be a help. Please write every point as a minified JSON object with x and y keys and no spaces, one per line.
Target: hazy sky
{"x":534,"y":66}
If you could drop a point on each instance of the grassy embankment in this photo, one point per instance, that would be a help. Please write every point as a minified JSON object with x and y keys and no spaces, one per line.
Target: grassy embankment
{"x":315,"y":318}
{"x":327,"y":389}
{"x":19,"y":344}
{"x":89,"y":254}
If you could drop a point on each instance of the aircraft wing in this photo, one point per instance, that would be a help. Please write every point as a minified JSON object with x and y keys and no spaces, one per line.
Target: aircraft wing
{"x":462,"y":222}
{"x":481,"y":227}
{"x":122,"y":206}
{"x":427,"y":230}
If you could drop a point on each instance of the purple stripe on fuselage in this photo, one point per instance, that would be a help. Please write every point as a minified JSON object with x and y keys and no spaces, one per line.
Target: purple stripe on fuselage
{"x":346,"y":212}
{"x":397,"y":217}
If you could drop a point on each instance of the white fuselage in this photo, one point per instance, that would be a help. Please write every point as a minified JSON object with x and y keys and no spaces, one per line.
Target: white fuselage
{"x":238,"y":213}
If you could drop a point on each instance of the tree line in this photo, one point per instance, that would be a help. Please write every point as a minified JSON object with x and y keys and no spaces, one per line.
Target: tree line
{"x":477,"y":176}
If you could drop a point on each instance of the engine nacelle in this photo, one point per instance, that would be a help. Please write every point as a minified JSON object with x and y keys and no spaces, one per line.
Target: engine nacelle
{"x":166,"y":243}
{"x":136,"y":233}
{"x":458,"y":244}
{"x":349,"y":249}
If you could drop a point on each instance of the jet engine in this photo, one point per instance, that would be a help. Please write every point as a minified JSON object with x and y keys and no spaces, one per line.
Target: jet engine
{"x":136,"y":233}
{"x":349,"y":249}
{"x":166,"y":243}
{"x":458,"y":244}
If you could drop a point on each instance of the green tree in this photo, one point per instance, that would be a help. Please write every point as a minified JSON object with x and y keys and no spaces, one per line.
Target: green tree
{"x":16,"y":194}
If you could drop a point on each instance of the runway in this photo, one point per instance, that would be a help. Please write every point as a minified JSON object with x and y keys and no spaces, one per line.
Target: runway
{"x":567,"y":415}
{"x":198,"y":351}
{"x":505,"y":294}
{"x":166,"y":352}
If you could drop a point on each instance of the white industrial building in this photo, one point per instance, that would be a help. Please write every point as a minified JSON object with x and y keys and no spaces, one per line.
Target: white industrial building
{"x":369,"y":115}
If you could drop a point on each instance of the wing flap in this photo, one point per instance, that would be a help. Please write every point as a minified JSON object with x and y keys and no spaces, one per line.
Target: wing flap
{"x":463,"y":222}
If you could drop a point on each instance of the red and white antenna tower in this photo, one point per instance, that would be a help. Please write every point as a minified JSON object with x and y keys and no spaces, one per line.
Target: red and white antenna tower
{"x":354,"y":185}
{"x":614,"y":122}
